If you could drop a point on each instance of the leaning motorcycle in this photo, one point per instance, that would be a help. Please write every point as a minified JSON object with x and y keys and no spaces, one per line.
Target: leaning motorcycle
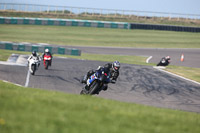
{"x":33,"y":65}
{"x":163,"y":62}
{"x":96,"y":82}
{"x":47,"y":61}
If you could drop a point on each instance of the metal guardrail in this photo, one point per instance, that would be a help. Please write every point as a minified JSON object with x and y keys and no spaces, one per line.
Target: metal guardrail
{"x":39,"y":48}
{"x":82,"y":11}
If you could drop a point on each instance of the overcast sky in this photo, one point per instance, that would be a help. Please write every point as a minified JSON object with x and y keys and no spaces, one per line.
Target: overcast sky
{"x":174,"y":6}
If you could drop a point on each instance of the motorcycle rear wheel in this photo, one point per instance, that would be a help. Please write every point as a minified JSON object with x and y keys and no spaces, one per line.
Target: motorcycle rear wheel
{"x":83,"y":92}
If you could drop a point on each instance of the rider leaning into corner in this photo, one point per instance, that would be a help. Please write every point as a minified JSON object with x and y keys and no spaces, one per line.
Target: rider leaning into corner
{"x":112,"y":68}
{"x":34,"y":55}
{"x":164,"y":61}
{"x":47,"y":52}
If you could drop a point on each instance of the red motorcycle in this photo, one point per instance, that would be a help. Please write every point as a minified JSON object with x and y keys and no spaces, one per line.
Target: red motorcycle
{"x":47,"y":61}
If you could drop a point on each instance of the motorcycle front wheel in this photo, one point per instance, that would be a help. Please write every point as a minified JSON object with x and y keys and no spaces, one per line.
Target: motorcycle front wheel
{"x":33,"y":67}
{"x":46,"y":64}
{"x":93,"y":88}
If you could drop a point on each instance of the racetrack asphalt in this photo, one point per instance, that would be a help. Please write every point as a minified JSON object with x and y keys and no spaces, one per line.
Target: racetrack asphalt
{"x":191,"y":56}
{"x":136,"y":84}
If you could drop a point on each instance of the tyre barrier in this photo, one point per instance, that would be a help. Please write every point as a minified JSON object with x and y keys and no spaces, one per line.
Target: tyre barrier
{"x":63,"y":22}
{"x":39,"y":48}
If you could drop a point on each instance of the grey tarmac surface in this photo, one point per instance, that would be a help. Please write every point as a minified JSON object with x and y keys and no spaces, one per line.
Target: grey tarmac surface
{"x":191,"y":56}
{"x":136,"y":84}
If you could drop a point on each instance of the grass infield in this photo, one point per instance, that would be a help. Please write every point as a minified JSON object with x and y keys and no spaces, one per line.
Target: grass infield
{"x":84,"y":36}
{"x":27,"y":110}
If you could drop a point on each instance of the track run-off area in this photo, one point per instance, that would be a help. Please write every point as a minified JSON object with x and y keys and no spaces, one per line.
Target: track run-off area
{"x":136,"y":84}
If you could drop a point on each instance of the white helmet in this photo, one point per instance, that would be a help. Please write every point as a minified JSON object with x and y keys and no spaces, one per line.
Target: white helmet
{"x":116,"y":65}
{"x":47,"y":50}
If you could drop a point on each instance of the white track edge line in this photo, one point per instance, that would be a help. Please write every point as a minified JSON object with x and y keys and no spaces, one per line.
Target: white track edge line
{"x":12,"y":83}
{"x":178,"y":76}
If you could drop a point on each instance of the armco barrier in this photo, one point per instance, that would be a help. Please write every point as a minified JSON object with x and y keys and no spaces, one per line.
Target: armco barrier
{"x":39,"y":48}
{"x":164,"y":27}
{"x":63,"y":22}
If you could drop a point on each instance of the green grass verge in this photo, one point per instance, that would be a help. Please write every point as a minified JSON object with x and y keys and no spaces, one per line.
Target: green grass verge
{"x":84,"y":36}
{"x":27,"y":110}
{"x":4,"y":54}
{"x":187,"y":72}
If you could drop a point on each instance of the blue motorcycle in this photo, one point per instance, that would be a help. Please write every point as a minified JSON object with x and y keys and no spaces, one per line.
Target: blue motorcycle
{"x":96,"y":81}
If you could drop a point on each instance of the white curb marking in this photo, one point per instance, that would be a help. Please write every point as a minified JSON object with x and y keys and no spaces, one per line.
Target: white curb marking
{"x":178,"y":76}
{"x":147,"y":61}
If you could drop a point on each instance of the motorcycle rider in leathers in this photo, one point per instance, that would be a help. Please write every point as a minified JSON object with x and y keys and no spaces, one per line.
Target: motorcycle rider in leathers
{"x":36,"y":56}
{"x":113,"y":69}
{"x":164,"y":61}
{"x":47,"y":52}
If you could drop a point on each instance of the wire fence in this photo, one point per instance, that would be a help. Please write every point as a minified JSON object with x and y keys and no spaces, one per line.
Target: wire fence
{"x":82,"y":11}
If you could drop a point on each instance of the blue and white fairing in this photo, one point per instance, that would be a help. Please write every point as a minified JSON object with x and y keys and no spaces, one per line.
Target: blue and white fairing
{"x":97,"y":76}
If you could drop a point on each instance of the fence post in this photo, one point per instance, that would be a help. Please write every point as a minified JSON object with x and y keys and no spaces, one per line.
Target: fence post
{"x":71,"y":11}
{"x":63,"y":10}
{"x":169,"y":16}
{"x":55,"y":10}
{"x":33,"y":8}
{"x":40,"y":9}
{"x":12,"y":9}
{"x":48,"y":9}
{"x":85,"y":11}
{"x":101,"y":12}
{"x":26,"y":8}
{"x":93,"y":12}
{"x":5,"y":7}
{"x":122,"y":13}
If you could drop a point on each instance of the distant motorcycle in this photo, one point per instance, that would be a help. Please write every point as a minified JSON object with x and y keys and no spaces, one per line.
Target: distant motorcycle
{"x":33,"y":65}
{"x":164,"y":61}
{"x":95,"y":82}
{"x":47,"y":61}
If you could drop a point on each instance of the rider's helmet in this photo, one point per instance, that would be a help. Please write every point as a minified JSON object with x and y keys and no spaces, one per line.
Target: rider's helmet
{"x":47,"y":50}
{"x":116,"y":65}
{"x":34,"y":53}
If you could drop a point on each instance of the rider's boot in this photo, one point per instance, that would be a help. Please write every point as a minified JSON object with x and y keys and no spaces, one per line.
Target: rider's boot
{"x":104,"y":87}
{"x":84,"y":80}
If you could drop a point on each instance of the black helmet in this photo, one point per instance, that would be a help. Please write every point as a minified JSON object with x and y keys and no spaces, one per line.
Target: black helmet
{"x":116,"y":65}
{"x":34,"y":53}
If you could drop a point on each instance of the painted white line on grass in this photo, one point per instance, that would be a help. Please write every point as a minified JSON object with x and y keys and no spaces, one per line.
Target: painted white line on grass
{"x":27,"y":78}
{"x":178,"y":76}
{"x":12,"y":83}
{"x":147,"y":61}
